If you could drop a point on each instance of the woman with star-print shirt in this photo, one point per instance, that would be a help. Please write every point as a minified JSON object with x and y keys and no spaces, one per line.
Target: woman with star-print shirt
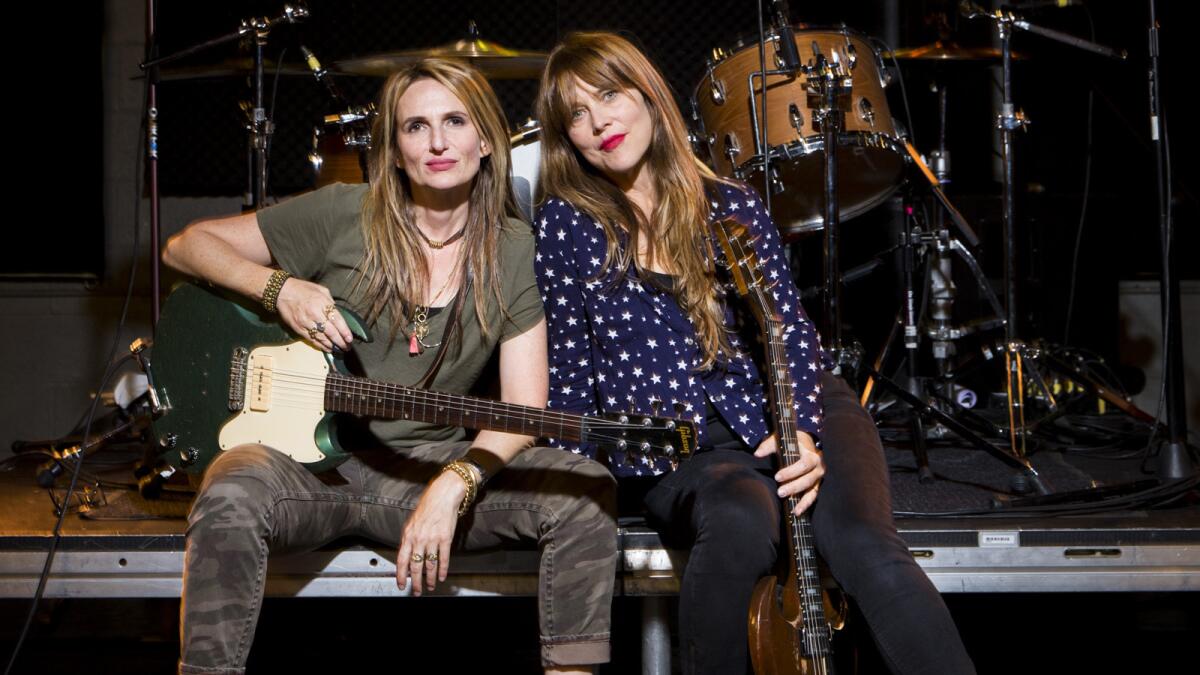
{"x":637,"y":320}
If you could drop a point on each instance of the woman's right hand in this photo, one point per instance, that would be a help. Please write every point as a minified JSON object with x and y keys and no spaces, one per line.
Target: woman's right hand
{"x":308,"y":309}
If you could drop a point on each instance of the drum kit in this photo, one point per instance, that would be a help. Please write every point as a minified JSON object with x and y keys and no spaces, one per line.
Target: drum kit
{"x":767,"y":110}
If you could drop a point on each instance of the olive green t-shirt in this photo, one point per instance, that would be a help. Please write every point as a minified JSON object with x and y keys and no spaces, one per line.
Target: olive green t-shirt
{"x":318,"y":236}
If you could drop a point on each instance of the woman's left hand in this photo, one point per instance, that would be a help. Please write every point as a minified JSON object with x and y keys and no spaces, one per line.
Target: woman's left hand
{"x":424,"y":555}
{"x":802,"y":477}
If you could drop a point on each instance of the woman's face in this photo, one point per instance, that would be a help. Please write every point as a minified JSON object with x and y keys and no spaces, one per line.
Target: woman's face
{"x":440,"y":146}
{"x":612,"y":129}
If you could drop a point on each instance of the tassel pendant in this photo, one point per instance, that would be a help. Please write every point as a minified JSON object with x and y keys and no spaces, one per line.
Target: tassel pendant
{"x":414,"y":345}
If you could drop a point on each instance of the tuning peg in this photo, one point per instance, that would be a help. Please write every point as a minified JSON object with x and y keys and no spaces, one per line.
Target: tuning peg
{"x":655,"y":404}
{"x":679,"y":408}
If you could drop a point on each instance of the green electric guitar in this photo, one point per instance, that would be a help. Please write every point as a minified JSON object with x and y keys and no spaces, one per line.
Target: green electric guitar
{"x":225,"y":373}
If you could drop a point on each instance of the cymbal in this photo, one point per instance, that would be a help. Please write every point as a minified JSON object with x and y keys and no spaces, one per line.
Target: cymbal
{"x":492,"y":59}
{"x":948,"y":51}
{"x":235,"y":67}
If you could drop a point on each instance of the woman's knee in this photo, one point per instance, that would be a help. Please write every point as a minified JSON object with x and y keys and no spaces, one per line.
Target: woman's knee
{"x":739,"y":517}
{"x":237,"y":489}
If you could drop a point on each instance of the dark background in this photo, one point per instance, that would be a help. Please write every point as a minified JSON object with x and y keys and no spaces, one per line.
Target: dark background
{"x":203,"y":140}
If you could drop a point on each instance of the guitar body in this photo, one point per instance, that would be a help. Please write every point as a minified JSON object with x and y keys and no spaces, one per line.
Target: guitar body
{"x":199,"y":333}
{"x":776,"y":621}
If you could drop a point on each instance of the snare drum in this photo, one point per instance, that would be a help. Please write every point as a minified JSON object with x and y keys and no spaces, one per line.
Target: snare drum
{"x":870,"y":156}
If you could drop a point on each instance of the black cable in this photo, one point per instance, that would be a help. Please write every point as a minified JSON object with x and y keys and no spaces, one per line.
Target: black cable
{"x":109,"y":370}
{"x":1087,"y":183}
{"x":1160,"y":495}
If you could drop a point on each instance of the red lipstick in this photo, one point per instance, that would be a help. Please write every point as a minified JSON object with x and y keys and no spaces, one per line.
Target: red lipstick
{"x":609,"y":144}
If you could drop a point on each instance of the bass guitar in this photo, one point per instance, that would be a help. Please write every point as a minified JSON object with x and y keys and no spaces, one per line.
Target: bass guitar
{"x":789,"y":630}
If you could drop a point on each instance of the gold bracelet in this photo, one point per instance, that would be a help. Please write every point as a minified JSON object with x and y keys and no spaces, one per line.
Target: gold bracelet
{"x":271,"y":293}
{"x":464,"y":472}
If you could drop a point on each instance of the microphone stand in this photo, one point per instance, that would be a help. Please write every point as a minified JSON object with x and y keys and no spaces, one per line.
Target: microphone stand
{"x":1174,"y":461}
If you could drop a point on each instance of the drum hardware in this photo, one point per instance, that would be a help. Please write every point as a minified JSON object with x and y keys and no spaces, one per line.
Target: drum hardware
{"x":339,"y":146}
{"x":260,"y":27}
{"x":935,"y":246}
{"x":949,"y":417}
{"x":1009,"y":120}
{"x":829,"y":84}
{"x":778,"y":144}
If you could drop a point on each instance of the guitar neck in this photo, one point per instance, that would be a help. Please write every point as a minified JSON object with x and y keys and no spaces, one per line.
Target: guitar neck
{"x":801,"y":543}
{"x":373,"y":398}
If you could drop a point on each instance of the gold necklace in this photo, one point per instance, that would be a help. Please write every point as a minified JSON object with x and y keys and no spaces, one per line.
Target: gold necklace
{"x":434,"y":243}
{"x":420,"y":322}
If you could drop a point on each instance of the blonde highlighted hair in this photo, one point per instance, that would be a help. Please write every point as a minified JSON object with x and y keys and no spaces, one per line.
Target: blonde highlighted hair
{"x":676,"y":233}
{"x":395,"y":270}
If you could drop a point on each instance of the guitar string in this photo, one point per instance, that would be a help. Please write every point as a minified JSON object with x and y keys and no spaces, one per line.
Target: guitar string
{"x":816,"y":641}
{"x":318,"y":384}
{"x":424,"y":399}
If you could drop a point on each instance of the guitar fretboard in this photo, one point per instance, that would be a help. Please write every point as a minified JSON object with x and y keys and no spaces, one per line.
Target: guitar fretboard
{"x":372,"y":398}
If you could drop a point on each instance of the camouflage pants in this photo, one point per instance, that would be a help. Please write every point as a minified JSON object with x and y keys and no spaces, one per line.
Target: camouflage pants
{"x":255,"y":500}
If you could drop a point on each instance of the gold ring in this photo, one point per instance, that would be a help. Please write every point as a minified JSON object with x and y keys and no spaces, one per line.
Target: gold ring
{"x":418,"y":558}
{"x":313,"y":333}
{"x":432,"y":557}
{"x":329,"y":310}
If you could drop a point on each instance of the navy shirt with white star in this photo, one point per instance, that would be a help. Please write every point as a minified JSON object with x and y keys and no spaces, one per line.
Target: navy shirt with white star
{"x":621,"y":345}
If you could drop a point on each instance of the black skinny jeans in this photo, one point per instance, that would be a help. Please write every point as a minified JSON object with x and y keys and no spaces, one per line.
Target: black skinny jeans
{"x":723,"y":504}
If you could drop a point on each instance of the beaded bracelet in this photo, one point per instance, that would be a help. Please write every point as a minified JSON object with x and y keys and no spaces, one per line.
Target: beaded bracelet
{"x":271,"y":293}
{"x":464,"y":472}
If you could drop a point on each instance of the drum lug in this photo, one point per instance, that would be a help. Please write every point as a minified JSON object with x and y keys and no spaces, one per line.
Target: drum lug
{"x":866,"y":111}
{"x":851,"y":53}
{"x":717,"y":92}
{"x":732,"y":148}
{"x":797,"y":118}
{"x":716,"y":87}
{"x":775,"y":181}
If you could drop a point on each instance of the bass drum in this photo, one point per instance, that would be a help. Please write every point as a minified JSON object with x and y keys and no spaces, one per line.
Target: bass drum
{"x":870,"y":156}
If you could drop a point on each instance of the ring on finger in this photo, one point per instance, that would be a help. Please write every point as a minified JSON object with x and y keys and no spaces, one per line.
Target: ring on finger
{"x":418,"y":558}
{"x":313,"y":333}
{"x":431,"y":557}
{"x":329,"y":310}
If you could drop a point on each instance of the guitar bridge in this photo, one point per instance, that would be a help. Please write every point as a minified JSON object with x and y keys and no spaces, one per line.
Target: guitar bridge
{"x":237,"y":379}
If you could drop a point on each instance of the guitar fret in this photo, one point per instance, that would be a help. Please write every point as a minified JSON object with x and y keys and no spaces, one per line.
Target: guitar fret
{"x":362,"y":396}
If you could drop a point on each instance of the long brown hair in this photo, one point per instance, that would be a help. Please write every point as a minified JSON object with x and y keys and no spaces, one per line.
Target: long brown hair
{"x":676,"y":232}
{"x":395,"y":269}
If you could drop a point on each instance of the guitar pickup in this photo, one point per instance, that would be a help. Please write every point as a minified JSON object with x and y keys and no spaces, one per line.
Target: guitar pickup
{"x":261,"y":378}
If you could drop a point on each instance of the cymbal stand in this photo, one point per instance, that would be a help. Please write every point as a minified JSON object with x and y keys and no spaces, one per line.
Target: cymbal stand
{"x":259,"y":127}
{"x":1008,"y":121}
